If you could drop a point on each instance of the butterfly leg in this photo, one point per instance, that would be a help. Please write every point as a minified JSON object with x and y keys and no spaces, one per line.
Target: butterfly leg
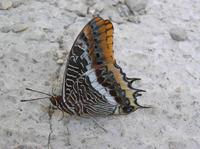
{"x":100,"y":126}
{"x":95,"y":121}
{"x":62,"y":116}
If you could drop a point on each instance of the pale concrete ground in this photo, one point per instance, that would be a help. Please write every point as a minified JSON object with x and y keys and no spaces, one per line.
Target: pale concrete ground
{"x":36,"y":35}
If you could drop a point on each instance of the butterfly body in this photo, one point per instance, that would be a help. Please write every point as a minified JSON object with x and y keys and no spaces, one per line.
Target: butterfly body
{"x":93,"y":83}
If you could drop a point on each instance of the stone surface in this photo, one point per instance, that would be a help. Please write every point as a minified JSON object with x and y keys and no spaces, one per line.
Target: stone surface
{"x":5,"y":29}
{"x":19,"y":27}
{"x":5,"y":4}
{"x":136,"y":5}
{"x":134,"y":19}
{"x":16,"y":4}
{"x":169,"y":73}
{"x":178,"y":34}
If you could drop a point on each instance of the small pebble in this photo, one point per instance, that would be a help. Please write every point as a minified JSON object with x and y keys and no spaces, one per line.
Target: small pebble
{"x":5,"y":4}
{"x":123,"y":10}
{"x":60,"y":61}
{"x":178,"y":34}
{"x":19,"y":27}
{"x":136,"y":5}
{"x":16,"y":4}
{"x":96,"y":8}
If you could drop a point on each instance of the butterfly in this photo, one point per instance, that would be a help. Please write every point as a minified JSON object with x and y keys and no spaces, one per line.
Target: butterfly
{"x":93,"y":83}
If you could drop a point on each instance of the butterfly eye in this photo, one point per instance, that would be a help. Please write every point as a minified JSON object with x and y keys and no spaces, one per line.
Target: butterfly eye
{"x":127,"y":102}
{"x":99,"y":62}
{"x":97,"y":55}
{"x":128,"y":109}
{"x":95,"y":33}
{"x":112,"y":92}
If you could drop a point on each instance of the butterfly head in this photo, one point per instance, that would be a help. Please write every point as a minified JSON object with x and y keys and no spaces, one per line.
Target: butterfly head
{"x":55,"y":100}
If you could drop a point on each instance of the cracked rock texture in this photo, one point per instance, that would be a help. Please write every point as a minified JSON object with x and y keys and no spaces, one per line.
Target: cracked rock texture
{"x":35,"y":39}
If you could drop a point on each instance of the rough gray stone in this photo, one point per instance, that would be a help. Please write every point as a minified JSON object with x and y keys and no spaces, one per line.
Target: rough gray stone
{"x":136,"y":5}
{"x":20,"y":27}
{"x":60,"y":61}
{"x":5,"y":4}
{"x":178,"y":34}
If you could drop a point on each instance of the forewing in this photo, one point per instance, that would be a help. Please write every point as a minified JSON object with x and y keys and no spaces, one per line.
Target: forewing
{"x":92,"y":47}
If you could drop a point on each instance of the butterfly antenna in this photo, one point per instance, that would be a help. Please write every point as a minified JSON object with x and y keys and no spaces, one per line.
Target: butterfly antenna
{"x":34,"y":99}
{"x":39,"y":92}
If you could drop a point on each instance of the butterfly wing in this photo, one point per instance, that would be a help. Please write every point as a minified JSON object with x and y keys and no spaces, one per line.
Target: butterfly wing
{"x":103,"y":84}
{"x":87,"y":100}
{"x":79,"y":65}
